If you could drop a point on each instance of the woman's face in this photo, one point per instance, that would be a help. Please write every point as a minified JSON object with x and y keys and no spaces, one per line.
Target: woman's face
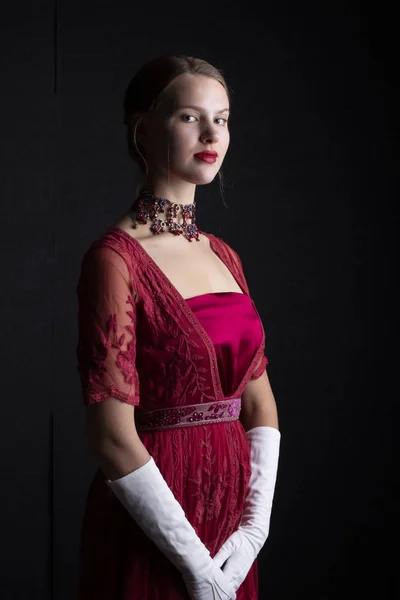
{"x":192,"y":118}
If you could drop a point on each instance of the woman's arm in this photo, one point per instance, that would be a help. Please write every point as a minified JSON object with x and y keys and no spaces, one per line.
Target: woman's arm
{"x":260,"y":420}
{"x":136,"y":481}
{"x":258,"y":404}
{"x":113,"y":438}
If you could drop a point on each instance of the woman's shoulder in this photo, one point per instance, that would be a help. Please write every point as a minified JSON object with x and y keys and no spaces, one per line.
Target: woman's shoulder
{"x":111,"y":244}
{"x":220,"y":244}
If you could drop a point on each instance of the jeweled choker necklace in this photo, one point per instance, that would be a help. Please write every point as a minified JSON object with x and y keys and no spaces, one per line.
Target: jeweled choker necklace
{"x":147,"y":206}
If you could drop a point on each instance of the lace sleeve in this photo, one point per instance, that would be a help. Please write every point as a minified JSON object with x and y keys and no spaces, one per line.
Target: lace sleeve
{"x":106,"y":349}
{"x":260,"y":368}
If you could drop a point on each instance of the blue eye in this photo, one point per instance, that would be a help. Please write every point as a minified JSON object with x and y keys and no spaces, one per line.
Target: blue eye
{"x":222,"y":119}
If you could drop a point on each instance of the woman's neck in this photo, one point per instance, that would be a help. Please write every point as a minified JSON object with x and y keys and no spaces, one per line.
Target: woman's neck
{"x":182,"y":192}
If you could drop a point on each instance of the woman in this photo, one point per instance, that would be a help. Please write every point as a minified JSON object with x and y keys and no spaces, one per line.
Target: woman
{"x":180,"y":413}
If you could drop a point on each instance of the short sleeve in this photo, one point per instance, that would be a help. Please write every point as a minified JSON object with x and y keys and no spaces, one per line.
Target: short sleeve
{"x":260,"y":368}
{"x":106,"y":349}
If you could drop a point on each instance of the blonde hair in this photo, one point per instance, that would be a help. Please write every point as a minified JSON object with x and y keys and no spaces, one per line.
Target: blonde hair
{"x":146,"y":89}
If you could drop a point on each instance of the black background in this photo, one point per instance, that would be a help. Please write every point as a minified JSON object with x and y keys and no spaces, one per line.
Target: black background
{"x":309,"y":206}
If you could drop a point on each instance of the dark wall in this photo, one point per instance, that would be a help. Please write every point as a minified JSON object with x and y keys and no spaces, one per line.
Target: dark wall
{"x":310,"y":201}
{"x":29,"y":262}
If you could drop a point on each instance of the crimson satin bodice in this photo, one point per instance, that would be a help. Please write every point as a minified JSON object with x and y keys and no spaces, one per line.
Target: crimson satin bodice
{"x":234,"y":327}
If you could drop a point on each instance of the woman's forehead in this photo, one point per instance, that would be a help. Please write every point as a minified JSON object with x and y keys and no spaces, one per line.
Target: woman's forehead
{"x":196,"y":91}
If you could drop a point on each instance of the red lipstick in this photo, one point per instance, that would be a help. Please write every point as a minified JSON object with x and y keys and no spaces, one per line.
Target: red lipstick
{"x":207,"y":156}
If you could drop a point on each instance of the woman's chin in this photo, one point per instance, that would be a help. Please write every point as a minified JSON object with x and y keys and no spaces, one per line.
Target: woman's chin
{"x":202,"y":178}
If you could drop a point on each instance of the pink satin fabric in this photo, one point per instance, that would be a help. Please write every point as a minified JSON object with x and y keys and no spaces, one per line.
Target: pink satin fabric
{"x":234,"y":327}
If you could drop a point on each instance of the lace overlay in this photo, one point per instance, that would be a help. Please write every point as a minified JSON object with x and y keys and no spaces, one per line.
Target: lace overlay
{"x":135,"y":329}
{"x":165,"y":348}
{"x":106,"y":349}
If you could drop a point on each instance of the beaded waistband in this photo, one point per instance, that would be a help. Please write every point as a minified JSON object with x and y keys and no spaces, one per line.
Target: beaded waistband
{"x":187,"y":415}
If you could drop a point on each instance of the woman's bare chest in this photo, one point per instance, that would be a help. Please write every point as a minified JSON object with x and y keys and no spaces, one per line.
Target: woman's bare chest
{"x":193,"y":268}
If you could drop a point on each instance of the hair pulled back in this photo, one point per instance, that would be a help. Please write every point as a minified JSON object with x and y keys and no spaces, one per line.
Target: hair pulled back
{"x":146,"y":89}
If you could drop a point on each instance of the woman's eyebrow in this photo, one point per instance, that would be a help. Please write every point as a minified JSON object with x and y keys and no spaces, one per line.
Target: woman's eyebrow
{"x":199,"y":108}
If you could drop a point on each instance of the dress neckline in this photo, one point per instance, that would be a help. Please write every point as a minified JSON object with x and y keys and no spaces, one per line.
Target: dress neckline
{"x":214,"y":294}
{"x":152,"y":262}
{"x":185,"y":305}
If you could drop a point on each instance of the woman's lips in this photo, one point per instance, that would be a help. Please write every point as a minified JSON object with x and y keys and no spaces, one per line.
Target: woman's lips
{"x":206,"y":157}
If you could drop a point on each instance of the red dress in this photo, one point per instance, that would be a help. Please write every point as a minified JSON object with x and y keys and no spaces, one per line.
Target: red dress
{"x":142,"y":342}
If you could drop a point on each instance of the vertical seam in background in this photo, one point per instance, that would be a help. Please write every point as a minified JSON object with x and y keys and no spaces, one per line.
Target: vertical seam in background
{"x":55,"y":47}
{"x":53,"y":267}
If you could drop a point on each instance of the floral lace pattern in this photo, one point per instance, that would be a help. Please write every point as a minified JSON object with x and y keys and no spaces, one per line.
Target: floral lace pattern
{"x":106,"y":349}
{"x":135,"y":328}
{"x":175,"y":360}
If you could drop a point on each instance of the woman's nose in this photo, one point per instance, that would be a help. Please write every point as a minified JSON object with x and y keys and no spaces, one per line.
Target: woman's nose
{"x":210,"y":135}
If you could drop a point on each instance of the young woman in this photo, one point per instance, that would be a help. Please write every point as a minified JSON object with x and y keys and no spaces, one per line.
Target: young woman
{"x":180,"y":414}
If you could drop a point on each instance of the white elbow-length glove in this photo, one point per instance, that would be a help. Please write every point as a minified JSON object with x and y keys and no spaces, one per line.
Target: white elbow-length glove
{"x":149,"y":500}
{"x":241,"y":548}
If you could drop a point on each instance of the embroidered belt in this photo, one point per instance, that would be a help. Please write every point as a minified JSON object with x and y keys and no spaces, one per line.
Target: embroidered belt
{"x":187,"y":415}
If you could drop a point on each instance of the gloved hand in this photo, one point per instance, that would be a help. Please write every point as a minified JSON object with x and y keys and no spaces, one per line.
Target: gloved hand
{"x":241,"y":548}
{"x":149,"y":500}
